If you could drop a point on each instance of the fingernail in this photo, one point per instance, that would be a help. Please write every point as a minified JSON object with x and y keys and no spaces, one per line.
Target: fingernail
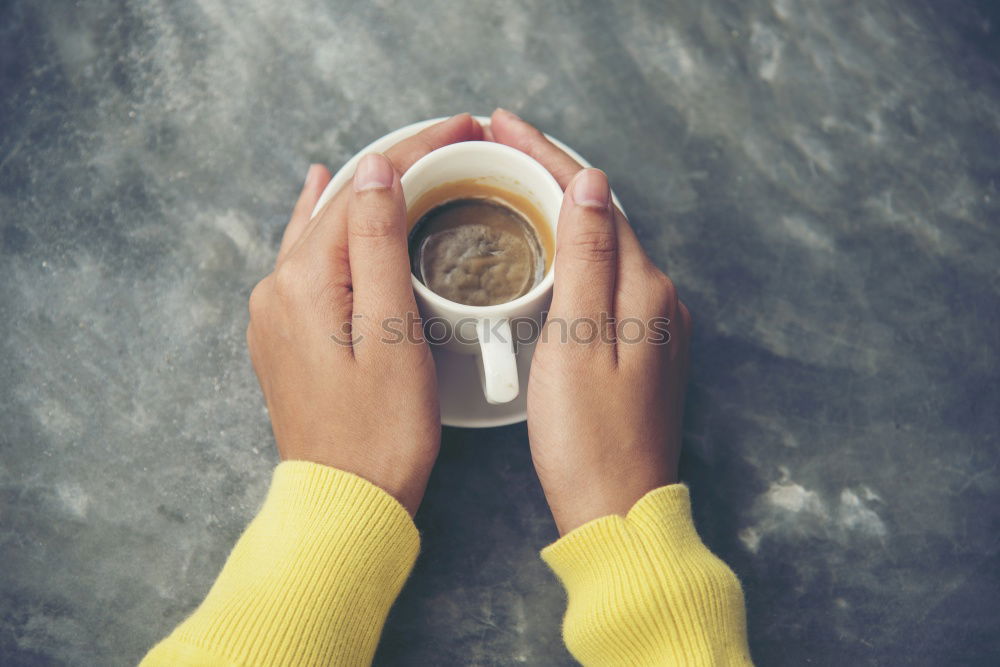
{"x":509,"y":114}
{"x":373,"y":173}
{"x":591,"y":189}
{"x":311,"y":175}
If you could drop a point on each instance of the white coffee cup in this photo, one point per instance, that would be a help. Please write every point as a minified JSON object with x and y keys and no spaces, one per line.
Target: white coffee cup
{"x":485,"y":330}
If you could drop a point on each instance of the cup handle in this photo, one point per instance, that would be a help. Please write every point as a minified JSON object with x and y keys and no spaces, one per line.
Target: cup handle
{"x":497,"y":363}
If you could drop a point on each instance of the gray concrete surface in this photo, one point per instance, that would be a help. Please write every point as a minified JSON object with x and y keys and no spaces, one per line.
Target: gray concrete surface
{"x":819,"y":178}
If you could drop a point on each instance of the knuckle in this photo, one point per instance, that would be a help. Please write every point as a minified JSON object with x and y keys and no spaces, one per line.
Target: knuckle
{"x":534,"y":142}
{"x":424,"y":143}
{"x":663,"y":289}
{"x":685,"y":316}
{"x":259,"y":298}
{"x":664,"y":285}
{"x":594,"y":246}
{"x":655,"y":295}
{"x":409,"y":150}
{"x":288,"y":281}
{"x":534,"y":139}
{"x":336,"y":293}
{"x":372,"y":227}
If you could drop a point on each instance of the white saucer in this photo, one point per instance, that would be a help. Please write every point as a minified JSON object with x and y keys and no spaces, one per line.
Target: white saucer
{"x":459,"y":389}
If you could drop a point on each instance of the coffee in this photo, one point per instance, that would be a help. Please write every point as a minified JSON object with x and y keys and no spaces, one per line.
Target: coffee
{"x":478,"y":245}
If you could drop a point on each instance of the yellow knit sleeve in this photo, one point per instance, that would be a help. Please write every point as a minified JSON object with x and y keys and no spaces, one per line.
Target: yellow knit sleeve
{"x":310,"y":582}
{"x":644,"y":590}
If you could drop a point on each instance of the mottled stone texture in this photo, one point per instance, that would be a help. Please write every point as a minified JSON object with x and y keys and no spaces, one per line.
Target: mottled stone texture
{"x":820,"y":179}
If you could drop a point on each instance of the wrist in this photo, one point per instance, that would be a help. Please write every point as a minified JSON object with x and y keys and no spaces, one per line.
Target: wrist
{"x":399,"y":471}
{"x":576,"y":504}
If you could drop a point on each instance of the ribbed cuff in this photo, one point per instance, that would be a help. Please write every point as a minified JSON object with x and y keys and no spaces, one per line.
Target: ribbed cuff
{"x":644,"y":590}
{"x":311,"y":580}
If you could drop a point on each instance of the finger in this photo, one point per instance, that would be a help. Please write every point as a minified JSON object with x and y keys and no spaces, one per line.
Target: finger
{"x":376,"y":229}
{"x":462,"y":127}
{"x":507,"y":128}
{"x":316,"y":180}
{"x":586,"y":262}
{"x":638,"y":289}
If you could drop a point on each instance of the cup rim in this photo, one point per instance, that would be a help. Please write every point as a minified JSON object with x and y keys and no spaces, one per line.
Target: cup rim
{"x":543,"y":175}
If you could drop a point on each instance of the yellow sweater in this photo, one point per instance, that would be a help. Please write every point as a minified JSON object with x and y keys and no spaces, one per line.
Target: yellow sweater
{"x":312,"y":579}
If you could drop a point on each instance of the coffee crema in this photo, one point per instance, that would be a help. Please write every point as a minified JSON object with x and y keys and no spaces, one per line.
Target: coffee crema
{"x":478,"y":244}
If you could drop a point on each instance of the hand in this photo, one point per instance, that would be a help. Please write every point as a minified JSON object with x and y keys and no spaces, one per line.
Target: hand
{"x":338,"y":392}
{"x":604,"y":417}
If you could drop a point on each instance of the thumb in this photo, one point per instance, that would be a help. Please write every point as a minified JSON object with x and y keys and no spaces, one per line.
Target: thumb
{"x":376,"y":242}
{"x":586,"y":249}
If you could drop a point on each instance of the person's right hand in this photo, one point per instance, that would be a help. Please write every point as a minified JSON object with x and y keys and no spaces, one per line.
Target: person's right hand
{"x":604,"y":418}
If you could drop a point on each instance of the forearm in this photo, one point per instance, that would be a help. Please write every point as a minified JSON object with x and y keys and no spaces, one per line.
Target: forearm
{"x":644,"y":590}
{"x":311,"y":580}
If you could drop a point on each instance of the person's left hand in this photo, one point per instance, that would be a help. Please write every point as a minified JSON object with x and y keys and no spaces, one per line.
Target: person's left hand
{"x":342,"y":389}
